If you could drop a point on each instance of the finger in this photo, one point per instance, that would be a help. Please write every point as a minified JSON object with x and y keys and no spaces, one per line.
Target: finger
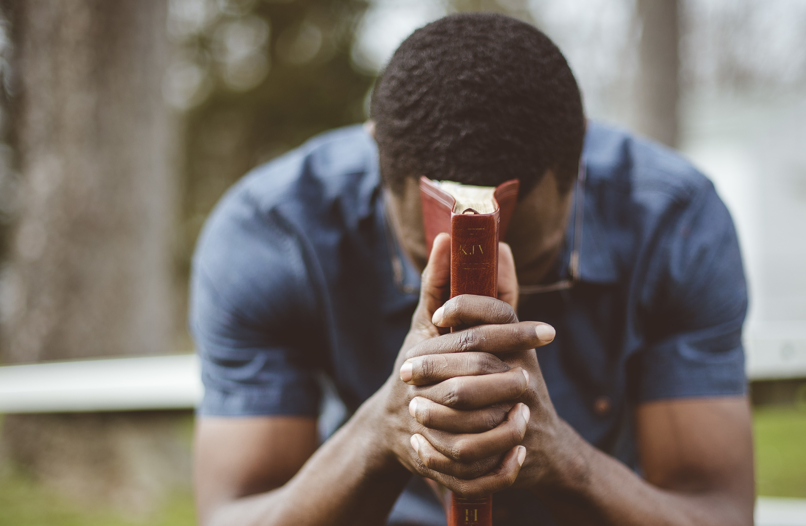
{"x":442,"y":418}
{"x":433,"y":368}
{"x":473,"y":392}
{"x":495,"y":339}
{"x":468,"y":310}
{"x":433,"y":459}
{"x":435,"y":283}
{"x":472,"y":447}
{"x":507,"y":277}
{"x":499,"y":479}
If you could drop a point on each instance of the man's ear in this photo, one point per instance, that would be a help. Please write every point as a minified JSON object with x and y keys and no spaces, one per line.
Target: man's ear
{"x":369,"y":126}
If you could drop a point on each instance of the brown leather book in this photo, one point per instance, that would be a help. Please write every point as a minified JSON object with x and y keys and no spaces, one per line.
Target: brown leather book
{"x":476,"y":218}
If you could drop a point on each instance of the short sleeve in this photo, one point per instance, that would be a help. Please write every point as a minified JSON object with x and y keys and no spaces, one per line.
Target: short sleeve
{"x":253,"y":314}
{"x":695,"y":343}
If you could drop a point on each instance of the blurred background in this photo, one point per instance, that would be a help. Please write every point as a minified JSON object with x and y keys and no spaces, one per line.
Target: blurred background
{"x":122,"y":123}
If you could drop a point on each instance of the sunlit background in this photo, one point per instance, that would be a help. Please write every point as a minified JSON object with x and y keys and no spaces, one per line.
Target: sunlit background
{"x":122,"y":123}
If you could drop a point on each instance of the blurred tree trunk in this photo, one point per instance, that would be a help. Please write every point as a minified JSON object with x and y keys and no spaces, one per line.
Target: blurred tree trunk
{"x":90,"y":259}
{"x":657,"y":83}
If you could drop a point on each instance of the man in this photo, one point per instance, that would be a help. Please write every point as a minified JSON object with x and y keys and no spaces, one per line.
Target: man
{"x":634,"y":414}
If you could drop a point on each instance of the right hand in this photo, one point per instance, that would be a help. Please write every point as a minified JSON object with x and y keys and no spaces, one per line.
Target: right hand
{"x":480,"y":422}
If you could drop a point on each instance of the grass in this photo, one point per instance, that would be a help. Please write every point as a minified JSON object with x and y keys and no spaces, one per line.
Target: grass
{"x":24,"y":503}
{"x":780,"y":435}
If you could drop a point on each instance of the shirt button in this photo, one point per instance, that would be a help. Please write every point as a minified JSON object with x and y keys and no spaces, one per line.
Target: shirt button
{"x":602,"y":405}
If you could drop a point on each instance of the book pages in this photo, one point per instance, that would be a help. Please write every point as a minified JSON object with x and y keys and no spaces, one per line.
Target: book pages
{"x":478,"y":198}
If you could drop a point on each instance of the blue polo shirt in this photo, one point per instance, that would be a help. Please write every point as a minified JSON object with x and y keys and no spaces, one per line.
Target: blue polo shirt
{"x":296,"y":277}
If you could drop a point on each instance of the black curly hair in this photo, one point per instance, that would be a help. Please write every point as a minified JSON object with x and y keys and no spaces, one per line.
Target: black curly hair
{"x":479,"y":99}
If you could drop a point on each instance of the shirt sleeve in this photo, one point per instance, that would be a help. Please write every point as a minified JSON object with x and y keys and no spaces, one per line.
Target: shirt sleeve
{"x":253,"y":314}
{"x":695,"y":341}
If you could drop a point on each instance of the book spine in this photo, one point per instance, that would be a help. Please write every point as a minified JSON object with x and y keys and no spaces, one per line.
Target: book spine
{"x":470,"y":512}
{"x":474,"y":270}
{"x":474,"y":254}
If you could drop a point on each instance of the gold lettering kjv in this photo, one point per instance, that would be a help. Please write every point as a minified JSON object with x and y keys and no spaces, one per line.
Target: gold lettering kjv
{"x":469,"y":250}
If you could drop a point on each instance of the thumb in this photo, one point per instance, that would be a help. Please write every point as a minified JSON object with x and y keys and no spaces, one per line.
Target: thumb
{"x":507,"y":278}
{"x":435,"y":286}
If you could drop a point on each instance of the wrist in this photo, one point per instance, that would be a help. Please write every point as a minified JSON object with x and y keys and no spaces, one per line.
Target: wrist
{"x":371,"y":425}
{"x":567,"y":465}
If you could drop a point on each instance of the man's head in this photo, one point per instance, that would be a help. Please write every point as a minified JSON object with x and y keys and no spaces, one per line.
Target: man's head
{"x":478,"y":99}
{"x":481,"y":99}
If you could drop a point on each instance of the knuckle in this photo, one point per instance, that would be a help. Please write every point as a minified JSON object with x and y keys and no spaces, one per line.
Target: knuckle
{"x":490,"y":364}
{"x":454,"y":306}
{"x":462,"y":451}
{"x":453,"y":393}
{"x":418,"y":464}
{"x":491,"y":420}
{"x":427,"y":459}
{"x":517,"y":383}
{"x":504,"y":311}
{"x":468,"y":339}
{"x":426,"y":367}
{"x":515,"y":435}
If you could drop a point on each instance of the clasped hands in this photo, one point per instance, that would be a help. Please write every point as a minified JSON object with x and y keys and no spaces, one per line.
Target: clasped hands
{"x":469,"y":409}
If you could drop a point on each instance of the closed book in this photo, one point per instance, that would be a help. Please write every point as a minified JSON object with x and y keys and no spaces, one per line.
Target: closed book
{"x":476,"y":218}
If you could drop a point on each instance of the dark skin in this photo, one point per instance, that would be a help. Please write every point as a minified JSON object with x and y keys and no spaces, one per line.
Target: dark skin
{"x":470,"y":410}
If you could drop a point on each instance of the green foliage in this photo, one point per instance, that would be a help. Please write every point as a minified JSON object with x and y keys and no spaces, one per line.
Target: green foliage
{"x":780,"y":435}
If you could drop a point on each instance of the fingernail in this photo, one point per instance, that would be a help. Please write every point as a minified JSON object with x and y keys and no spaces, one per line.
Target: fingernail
{"x":526,"y":374}
{"x":436,"y":319}
{"x":405,"y":371}
{"x":415,"y":443}
{"x":413,"y":407}
{"x":545,"y":333}
{"x":521,"y":455}
{"x":525,"y":413}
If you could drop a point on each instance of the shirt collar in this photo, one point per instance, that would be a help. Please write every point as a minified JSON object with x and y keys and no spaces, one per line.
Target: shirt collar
{"x":596,"y":254}
{"x":370,"y":185}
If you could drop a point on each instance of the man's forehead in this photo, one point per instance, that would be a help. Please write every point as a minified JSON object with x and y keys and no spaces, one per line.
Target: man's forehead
{"x":407,"y":197}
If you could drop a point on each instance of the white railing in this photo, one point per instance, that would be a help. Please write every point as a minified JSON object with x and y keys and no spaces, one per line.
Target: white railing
{"x":773,"y":511}
{"x":776,"y":351}
{"x":117,"y":384}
